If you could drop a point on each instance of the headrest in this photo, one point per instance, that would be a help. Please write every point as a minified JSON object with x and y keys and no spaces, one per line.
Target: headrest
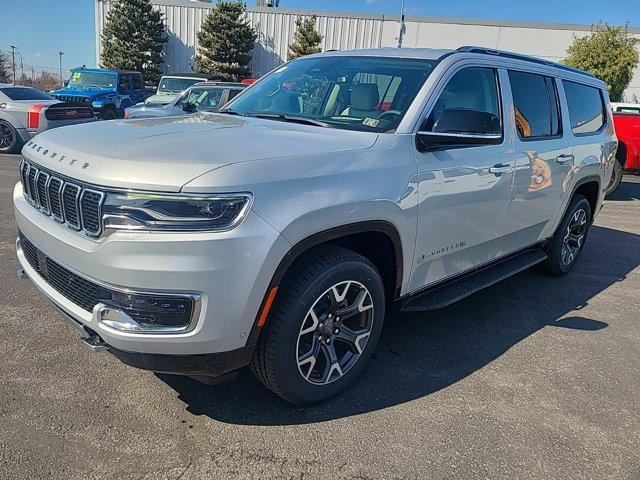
{"x":365,"y":96}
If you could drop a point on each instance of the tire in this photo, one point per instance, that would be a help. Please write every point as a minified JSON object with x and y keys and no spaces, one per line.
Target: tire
{"x":282,"y":358}
{"x":10,"y":141}
{"x":616,"y":178}
{"x":108,"y":113}
{"x":564,"y":249}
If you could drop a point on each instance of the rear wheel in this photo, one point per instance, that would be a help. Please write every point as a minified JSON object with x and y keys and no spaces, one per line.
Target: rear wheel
{"x":10,"y":141}
{"x":568,"y":242}
{"x":108,"y":113}
{"x":323,"y":327}
{"x":616,"y":178}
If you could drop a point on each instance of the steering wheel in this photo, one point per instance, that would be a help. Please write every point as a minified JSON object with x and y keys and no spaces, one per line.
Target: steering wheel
{"x":390,"y":112}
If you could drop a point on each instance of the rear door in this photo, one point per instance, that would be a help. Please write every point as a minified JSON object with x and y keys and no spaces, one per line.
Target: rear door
{"x":544,"y":158}
{"x":463,"y":204}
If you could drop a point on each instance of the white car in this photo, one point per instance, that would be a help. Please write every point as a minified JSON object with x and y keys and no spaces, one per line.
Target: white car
{"x":174,"y":84}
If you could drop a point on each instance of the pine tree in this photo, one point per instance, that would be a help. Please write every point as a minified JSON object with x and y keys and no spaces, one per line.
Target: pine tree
{"x":134,"y":38}
{"x":225,"y":42}
{"x":306,"y":40}
{"x":610,"y":54}
{"x":4,"y":68}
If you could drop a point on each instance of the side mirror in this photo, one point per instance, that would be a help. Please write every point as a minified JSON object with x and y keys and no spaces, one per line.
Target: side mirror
{"x":462,"y":127}
{"x":189,"y":107}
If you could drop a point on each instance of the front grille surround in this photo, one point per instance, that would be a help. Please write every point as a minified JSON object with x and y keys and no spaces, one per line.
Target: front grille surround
{"x":77,"y":206}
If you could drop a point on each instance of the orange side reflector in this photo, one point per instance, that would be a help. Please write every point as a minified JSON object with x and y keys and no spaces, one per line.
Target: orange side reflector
{"x":267,"y":306}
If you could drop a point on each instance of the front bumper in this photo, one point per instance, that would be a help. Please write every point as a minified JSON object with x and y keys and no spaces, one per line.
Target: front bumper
{"x":229,"y":271}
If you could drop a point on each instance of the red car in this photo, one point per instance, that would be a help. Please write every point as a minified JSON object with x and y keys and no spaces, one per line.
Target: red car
{"x":626,"y":119}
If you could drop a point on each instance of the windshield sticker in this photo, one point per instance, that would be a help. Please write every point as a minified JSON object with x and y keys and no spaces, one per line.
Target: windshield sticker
{"x":75,"y":76}
{"x":371,"y":122}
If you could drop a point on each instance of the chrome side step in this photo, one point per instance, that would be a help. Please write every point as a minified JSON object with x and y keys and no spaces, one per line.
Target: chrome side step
{"x":450,"y":292}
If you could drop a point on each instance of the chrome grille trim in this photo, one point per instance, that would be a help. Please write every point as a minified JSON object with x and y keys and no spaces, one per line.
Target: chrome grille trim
{"x":70,"y":203}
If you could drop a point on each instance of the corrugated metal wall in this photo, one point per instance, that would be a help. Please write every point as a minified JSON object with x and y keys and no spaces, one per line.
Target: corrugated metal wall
{"x":276,"y":26}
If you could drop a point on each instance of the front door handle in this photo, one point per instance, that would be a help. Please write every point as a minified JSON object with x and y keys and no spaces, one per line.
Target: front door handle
{"x":500,"y":168}
{"x":564,"y":158}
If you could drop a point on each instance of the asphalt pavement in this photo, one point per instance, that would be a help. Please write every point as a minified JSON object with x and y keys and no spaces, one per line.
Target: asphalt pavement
{"x":534,"y":378}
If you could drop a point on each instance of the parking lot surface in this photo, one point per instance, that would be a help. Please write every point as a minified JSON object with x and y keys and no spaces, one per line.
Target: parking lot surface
{"x":536,"y":377}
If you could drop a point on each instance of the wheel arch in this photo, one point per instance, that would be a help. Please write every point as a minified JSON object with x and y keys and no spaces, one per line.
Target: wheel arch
{"x":355,"y":236}
{"x":590,"y":188}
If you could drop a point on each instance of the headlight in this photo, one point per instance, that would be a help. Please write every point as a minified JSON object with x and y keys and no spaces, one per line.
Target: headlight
{"x":140,"y":211}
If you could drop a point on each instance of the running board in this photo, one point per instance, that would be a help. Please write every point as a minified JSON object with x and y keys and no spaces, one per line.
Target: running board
{"x":449,"y":292}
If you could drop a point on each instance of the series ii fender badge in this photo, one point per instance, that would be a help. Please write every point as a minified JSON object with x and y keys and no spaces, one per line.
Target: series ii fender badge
{"x":62,"y":159}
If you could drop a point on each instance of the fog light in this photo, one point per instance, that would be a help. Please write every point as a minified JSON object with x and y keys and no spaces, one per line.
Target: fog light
{"x":147,"y":313}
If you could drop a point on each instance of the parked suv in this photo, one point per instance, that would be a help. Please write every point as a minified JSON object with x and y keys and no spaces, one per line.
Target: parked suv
{"x":108,"y":92}
{"x":276,"y":233}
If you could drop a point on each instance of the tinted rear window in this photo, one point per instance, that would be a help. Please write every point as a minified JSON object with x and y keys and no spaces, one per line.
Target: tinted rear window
{"x":536,"y":104}
{"x":586,"y":108}
{"x":20,"y":93}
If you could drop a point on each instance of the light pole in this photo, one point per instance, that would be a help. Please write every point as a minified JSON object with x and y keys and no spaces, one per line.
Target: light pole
{"x":13,"y":61}
{"x":61,"y":53}
{"x":402,"y":26}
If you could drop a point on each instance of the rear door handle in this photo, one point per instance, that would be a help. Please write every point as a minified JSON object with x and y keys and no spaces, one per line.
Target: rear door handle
{"x":564,"y":158}
{"x":500,"y":168}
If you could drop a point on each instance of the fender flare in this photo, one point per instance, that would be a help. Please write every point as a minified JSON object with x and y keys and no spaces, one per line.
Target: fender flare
{"x":296,"y":252}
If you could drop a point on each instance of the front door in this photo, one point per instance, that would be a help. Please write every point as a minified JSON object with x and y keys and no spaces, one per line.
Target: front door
{"x":543,"y":160}
{"x":464,"y":191}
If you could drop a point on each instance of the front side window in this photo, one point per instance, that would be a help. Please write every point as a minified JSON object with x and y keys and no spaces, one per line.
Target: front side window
{"x":124,"y":85}
{"x":586,"y":108}
{"x":93,"y":79}
{"x":536,"y":105}
{"x":354,"y":93}
{"x":469,"y":104}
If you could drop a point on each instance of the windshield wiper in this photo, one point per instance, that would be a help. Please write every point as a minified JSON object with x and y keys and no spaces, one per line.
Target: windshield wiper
{"x":291,"y":118}
{"x":229,"y":112}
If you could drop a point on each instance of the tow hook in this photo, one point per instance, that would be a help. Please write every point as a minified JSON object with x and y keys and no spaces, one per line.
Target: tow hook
{"x":20,"y":273}
{"x":95,"y":342}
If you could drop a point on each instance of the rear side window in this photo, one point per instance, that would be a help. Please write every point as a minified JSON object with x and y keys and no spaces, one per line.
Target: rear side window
{"x":535,"y":101}
{"x":137,"y":82}
{"x":22,"y":93}
{"x":586,"y":108}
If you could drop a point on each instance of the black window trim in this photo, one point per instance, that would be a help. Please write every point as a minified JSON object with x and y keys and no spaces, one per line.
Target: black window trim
{"x":540,"y":138}
{"x":441,"y":88}
{"x":605,"y":117}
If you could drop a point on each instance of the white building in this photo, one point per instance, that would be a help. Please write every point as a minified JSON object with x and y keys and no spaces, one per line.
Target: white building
{"x":276,"y":26}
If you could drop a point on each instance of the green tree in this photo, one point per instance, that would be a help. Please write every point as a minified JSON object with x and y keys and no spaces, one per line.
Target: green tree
{"x":609,"y":53}
{"x":4,"y":68}
{"x":225,"y":42}
{"x":306,"y":40}
{"x":134,"y":38}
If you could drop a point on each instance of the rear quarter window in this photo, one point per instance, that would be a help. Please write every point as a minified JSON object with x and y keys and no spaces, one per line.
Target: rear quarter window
{"x":586,"y":108}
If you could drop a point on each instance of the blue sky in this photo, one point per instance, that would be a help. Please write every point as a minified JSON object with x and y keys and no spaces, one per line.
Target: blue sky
{"x":41,"y":28}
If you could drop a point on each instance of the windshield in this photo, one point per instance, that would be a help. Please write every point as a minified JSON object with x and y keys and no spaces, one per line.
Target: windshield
{"x":204,"y":98}
{"x":176,"y":85}
{"x":355,"y":93}
{"x":25,"y":93}
{"x":93,"y":79}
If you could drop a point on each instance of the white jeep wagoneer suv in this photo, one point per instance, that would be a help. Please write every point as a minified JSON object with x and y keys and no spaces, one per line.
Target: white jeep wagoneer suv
{"x":276,"y":233}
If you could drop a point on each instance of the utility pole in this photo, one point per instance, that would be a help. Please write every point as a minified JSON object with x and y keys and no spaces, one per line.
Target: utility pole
{"x":402,"y":25}
{"x":21,"y":70}
{"x":33,"y":77}
{"x":61,"y":53}
{"x":13,"y":61}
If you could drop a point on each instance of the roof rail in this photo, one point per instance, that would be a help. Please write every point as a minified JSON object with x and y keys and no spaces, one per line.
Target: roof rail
{"x":519,"y":56}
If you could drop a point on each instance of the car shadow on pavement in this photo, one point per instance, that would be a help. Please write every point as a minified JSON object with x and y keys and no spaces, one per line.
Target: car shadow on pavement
{"x":628,"y":189}
{"x":421,"y":353}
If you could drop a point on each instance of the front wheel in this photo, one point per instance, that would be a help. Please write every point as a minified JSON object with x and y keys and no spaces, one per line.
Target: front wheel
{"x":568,"y":242}
{"x":323,"y":328}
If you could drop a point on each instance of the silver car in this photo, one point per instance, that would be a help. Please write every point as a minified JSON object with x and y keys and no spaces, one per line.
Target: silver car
{"x":206,"y":97}
{"x":277,"y":232}
{"x":26,"y":111}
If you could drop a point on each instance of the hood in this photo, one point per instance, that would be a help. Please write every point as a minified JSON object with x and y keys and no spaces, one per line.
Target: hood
{"x":87,"y":92}
{"x":164,"y":154}
{"x":161,"y":98}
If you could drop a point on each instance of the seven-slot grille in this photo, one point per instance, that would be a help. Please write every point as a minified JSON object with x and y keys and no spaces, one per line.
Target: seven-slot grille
{"x":78,"y":207}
